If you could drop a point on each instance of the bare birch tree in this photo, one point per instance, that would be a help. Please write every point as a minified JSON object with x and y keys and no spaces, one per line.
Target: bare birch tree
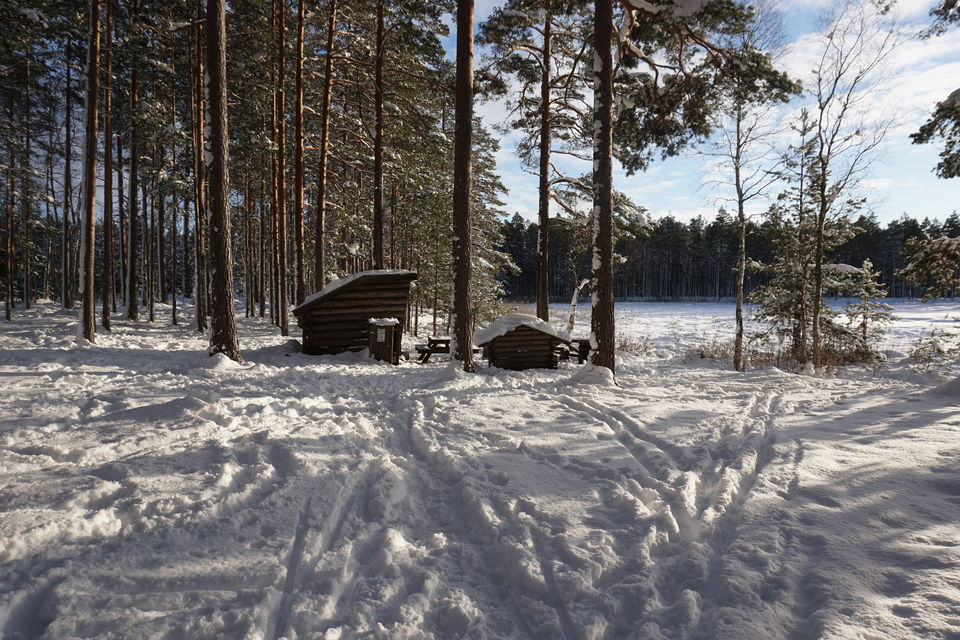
{"x":849,"y":71}
{"x":746,"y":145}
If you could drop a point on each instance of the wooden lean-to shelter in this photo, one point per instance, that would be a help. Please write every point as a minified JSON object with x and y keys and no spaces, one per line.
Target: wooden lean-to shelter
{"x":520,"y":341}
{"x":337,"y":318}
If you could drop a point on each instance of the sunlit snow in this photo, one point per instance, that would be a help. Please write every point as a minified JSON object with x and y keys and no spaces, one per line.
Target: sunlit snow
{"x":150,"y":491}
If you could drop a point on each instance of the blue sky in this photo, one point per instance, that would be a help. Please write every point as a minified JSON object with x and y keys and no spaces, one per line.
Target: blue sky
{"x":901,"y":180}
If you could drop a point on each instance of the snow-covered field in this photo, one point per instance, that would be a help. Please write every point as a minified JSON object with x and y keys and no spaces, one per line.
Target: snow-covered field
{"x":148,"y":491}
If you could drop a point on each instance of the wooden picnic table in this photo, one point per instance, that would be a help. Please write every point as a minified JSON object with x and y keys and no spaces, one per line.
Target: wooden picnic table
{"x":579,"y":348}
{"x":583,"y":349}
{"x":435,"y":344}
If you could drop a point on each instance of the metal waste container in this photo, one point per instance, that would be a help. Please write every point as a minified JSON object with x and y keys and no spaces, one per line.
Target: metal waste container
{"x":384,"y":343}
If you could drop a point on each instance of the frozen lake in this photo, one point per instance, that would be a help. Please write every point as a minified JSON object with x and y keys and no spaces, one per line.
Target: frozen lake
{"x":669,"y":325}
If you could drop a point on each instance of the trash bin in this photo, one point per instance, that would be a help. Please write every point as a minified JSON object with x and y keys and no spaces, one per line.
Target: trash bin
{"x":384,"y":341}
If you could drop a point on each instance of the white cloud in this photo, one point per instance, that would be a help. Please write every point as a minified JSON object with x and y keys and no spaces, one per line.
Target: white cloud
{"x":919,"y":74}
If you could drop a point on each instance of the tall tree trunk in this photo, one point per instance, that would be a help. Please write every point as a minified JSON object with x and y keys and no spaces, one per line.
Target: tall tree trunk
{"x":108,"y":281}
{"x":800,"y":344}
{"x":274,"y":237}
{"x":462,"y":183}
{"x":51,"y":224}
{"x":187,"y":284}
{"x":817,"y":338}
{"x":248,"y":281}
{"x":67,"y":285}
{"x":282,"y":169}
{"x":173,"y":262}
{"x":319,"y":274}
{"x":199,"y":208}
{"x":11,"y":248}
{"x":26,"y":199}
{"x":393,"y":224}
{"x":543,"y":248}
{"x":223,"y":338}
{"x":174,"y":211}
{"x":89,"y":319}
{"x":123,"y":225}
{"x":262,"y":269}
{"x":378,"y":140}
{"x":150,"y":238}
{"x":602,"y":323}
{"x":133,"y":257}
{"x":298,"y":162}
{"x":738,"y":362}
{"x":161,"y":242}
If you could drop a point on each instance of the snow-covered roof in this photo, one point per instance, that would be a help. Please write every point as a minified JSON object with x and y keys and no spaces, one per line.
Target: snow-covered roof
{"x":340,"y":283}
{"x":841,"y":268}
{"x":509,"y":322}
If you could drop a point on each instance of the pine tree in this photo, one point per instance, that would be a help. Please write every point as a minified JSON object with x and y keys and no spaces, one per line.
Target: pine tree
{"x":462,"y":184}
{"x":320,"y":269}
{"x":934,"y":264}
{"x":675,"y":67}
{"x":298,"y":168}
{"x":223,"y":338}
{"x":601,"y":320}
{"x":108,"y":281}
{"x":541,"y":44}
{"x":867,"y":314}
{"x":944,"y":122}
{"x":66,"y":264}
{"x":789,"y":302}
{"x":89,"y":312}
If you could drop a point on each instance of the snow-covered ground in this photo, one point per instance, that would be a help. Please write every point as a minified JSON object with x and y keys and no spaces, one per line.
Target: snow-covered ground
{"x":148,"y":491}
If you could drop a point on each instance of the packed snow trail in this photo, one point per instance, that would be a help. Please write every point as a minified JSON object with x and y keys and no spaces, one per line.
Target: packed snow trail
{"x":147,"y":491}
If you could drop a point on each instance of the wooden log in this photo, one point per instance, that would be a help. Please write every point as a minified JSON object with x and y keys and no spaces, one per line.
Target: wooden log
{"x":354,"y":319}
{"x":521,"y":360}
{"x":324,"y":351}
{"x":525,"y":344}
{"x":401,"y":289}
{"x":364,"y":301}
{"x":368,"y":309}
{"x":320,"y":325}
{"x":525,"y":366}
{"x":336,"y":341}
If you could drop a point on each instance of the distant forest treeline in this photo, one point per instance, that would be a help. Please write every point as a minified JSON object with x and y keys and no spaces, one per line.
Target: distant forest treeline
{"x":672,"y":260}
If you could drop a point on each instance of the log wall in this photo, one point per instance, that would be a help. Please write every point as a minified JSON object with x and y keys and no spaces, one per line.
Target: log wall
{"x":340,"y":321}
{"x":523,"y":348}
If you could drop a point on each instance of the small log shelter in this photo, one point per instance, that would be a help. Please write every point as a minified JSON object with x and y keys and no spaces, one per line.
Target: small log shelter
{"x":337,"y":318}
{"x":519,"y":341}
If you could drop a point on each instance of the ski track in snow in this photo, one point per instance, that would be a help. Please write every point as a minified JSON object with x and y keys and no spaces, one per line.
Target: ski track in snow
{"x":147,"y":491}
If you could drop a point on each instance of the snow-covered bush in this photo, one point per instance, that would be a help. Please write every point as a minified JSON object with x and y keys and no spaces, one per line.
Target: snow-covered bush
{"x":934,"y":352}
{"x":635,"y":345}
{"x":710,"y":348}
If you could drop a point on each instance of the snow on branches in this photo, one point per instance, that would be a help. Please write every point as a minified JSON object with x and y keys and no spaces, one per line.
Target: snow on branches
{"x":934,"y":262}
